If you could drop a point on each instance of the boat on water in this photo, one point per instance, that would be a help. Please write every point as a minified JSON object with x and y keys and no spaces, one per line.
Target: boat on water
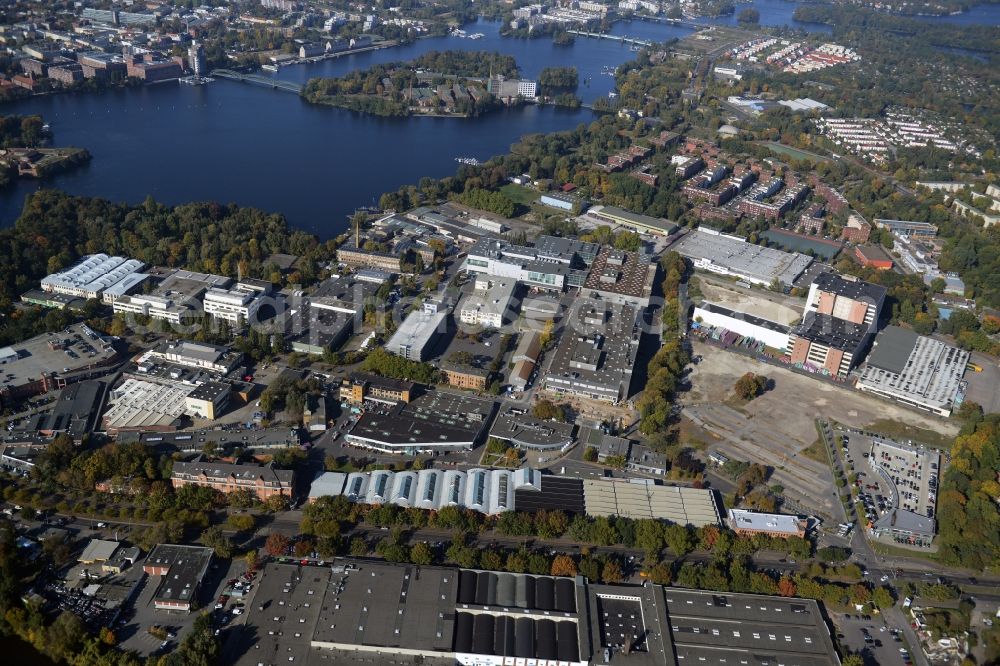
{"x":269,"y":68}
{"x":471,"y":161}
{"x":476,"y":35}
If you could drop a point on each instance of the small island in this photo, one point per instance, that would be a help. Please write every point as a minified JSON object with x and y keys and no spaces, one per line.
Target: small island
{"x":448,"y":83}
{"x":22,"y":151}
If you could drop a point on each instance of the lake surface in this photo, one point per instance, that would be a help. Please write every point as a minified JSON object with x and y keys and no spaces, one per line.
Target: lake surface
{"x":234,"y":142}
{"x":772,"y":13}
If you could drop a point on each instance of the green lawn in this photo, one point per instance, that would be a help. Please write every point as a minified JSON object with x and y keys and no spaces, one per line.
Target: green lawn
{"x":519,"y":194}
{"x":794,"y":153}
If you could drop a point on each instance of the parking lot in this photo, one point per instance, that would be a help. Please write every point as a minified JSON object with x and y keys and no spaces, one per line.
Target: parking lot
{"x":876,"y":642}
{"x":891,"y":474}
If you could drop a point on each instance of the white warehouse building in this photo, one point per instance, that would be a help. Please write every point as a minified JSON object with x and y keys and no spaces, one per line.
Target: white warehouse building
{"x":771,"y":333}
{"x":489,"y":491}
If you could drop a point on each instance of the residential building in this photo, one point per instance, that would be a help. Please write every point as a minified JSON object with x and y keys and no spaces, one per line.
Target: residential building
{"x":263,"y":481}
{"x":857,"y":230}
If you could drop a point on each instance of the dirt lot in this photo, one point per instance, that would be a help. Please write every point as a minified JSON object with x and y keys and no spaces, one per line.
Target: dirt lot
{"x":772,"y":307}
{"x":778,"y":428}
{"x":797,"y":400}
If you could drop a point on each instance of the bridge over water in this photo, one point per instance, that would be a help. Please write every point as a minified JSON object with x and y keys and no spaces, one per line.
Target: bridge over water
{"x":259,"y":80}
{"x":614,"y":38}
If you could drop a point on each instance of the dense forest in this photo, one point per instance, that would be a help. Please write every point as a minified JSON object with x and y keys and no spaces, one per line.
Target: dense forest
{"x":382,"y":89}
{"x":56,"y":229}
{"x":968,"y":516}
{"x":559,"y":77}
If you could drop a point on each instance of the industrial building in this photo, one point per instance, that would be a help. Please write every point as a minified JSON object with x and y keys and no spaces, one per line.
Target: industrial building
{"x":316,"y":330}
{"x":177,"y":296}
{"x":621,"y":277}
{"x":95,"y":273}
{"x":841,"y":317}
{"x":730,"y":255}
{"x":924,"y":231}
{"x":199,"y":355}
{"x":915,"y":370}
{"x":643,"y":224}
{"x":518,"y":427}
{"x":262,"y":481}
{"x":489,"y":304}
{"x":597,"y":353}
{"x":435,"y":422}
{"x":360,"y":611}
{"x":771,"y":333}
{"x":644,"y":499}
{"x":75,"y":413}
{"x":489,"y":491}
{"x":415,"y":337}
{"x":54,"y":360}
{"x":750,"y":523}
{"x":181,"y":570}
{"x":236,"y":306}
{"x":142,"y":405}
{"x":552,"y":264}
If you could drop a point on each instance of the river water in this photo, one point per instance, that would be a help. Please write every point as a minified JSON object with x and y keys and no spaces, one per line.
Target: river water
{"x":234,"y":142}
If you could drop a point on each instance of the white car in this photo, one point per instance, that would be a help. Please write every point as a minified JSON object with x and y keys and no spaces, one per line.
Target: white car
{"x":237,"y":611}
{"x":884,"y":577}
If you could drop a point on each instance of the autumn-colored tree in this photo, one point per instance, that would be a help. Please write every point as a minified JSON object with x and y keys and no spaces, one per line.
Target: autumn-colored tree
{"x":787,"y":587}
{"x":107,"y":636}
{"x":276,"y":544}
{"x":304,"y":547}
{"x":251,"y":559}
{"x":749,"y":386}
{"x":660,"y":573}
{"x":612,"y":572}
{"x":563,"y":565}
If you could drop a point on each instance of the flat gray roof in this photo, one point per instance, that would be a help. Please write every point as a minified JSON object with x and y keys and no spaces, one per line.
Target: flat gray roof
{"x":930,"y":375}
{"x":389,"y":606}
{"x":722,"y":627}
{"x":743,"y":259}
{"x":892,"y":348}
{"x":75,"y":348}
